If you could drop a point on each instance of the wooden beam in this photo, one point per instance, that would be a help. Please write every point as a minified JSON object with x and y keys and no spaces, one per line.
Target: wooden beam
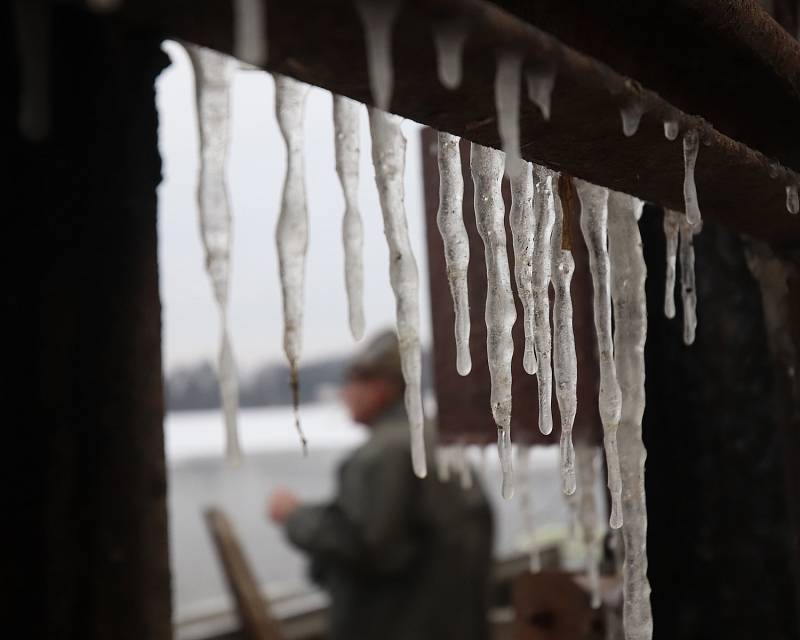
{"x":322,"y":43}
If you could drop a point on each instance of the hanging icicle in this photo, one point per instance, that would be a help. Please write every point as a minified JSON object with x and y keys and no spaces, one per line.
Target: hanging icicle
{"x":631,"y":114}
{"x":540,"y":82}
{"x":545,"y":216}
{"x":671,"y":129}
{"x":688,"y":291}
{"x":672,"y":225}
{"x":291,"y":233}
{"x":587,"y":515}
{"x":378,"y":17}
{"x":461,"y":465}
{"x":443,"y":463}
{"x":565,"y":363}
{"x":213,"y":74}
{"x":525,"y":483}
{"x":449,"y":38}
{"x":389,"y":158}
{"x":594,"y":223}
{"x":523,"y":228}
{"x":628,"y":274}
{"x":487,"y":173}
{"x":691,"y":145}
{"x":346,"y":138}
{"x":506,"y":95}
{"x":250,"y":31}
{"x":792,"y":200}
{"x":450,"y":220}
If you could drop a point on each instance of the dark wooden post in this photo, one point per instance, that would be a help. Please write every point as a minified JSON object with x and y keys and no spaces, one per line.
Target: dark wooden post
{"x":84,"y":452}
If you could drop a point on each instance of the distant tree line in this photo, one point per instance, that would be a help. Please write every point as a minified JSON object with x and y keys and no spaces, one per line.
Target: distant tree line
{"x":195,"y":386}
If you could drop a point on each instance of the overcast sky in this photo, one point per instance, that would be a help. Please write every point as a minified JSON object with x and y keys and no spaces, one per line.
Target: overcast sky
{"x":256,"y":168}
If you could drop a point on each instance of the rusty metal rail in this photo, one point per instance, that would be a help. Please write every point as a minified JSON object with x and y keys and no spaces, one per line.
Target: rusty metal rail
{"x":322,"y":42}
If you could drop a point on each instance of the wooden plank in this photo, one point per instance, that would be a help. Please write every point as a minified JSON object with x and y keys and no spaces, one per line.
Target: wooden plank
{"x":256,"y":621}
{"x":322,"y":42}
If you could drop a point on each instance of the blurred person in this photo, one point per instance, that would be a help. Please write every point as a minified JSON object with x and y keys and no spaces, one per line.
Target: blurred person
{"x":402,"y":558}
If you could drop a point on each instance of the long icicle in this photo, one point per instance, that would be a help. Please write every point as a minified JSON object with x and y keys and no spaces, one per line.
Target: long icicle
{"x":450,"y":220}
{"x":346,"y":139}
{"x":378,"y":17}
{"x":585,"y":455}
{"x":691,"y":145}
{"x":213,"y":74}
{"x":291,"y":233}
{"x":250,"y":31}
{"x":688,"y":290}
{"x":594,"y":223}
{"x":628,"y":275}
{"x":449,"y":38}
{"x":506,"y":95}
{"x":672,"y":225}
{"x":523,"y":229}
{"x":545,"y":214}
{"x":565,"y":363}
{"x":486,"y":165}
{"x":389,"y":158}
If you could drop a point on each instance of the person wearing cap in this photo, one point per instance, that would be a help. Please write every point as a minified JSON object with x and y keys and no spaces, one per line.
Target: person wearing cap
{"x":402,"y":558}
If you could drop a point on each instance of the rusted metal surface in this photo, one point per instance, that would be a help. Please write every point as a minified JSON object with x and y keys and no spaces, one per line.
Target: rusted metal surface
{"x":322,"y":42}
{"x":463,"y":402}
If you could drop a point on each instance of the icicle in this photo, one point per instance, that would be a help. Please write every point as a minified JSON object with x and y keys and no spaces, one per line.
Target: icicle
{"x":461,"y":464}
{"x":587,"y":514}
{"x":487,"y":173}
{"x":525,"y":483}
{"x":33,"y":27}
{"x":388,"y":158}
{"x":523,"y":228}
{"x":450,"y":220}
{"x":671,"y":129}
{"x":345,"y":122}
{"x":691,"y":145}
{"x":565,"y":363}
{"x":506,"y":95}
{"x":594,"y":223}
{"x":449,"y":38}
{"x":792,"y":202}
{"x":378,"y":17}
{"x":291,"y":233}
{"x":443,"y":463}
{"x":631,"y":114}
{"x":213,"y":73}
{"x":628,"y":274}
{"x":672,"y":225}
{"x":688,"y":291}
{"x":540,"y":87}
{"x":249,"y":31}
{"x":545,"y":215}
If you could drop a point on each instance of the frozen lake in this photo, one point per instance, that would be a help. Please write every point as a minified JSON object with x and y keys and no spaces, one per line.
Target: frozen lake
{"x":199,"y":477}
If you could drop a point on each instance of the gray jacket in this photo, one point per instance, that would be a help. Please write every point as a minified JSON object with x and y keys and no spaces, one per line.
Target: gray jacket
{"x":402,"y":558}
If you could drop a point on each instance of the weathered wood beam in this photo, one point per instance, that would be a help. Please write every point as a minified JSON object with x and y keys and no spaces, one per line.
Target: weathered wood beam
{"x":322,"y":42}
{"x":726,"y":60}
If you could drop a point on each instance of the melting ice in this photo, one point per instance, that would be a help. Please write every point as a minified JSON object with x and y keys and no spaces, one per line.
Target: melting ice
{"x":486,"y":165}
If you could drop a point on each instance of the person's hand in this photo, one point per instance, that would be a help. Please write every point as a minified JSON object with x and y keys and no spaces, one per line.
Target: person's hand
{"x":282,"y":503}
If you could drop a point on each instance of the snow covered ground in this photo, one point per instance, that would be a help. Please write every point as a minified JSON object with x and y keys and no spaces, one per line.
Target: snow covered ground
{"x":199,"y":477}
